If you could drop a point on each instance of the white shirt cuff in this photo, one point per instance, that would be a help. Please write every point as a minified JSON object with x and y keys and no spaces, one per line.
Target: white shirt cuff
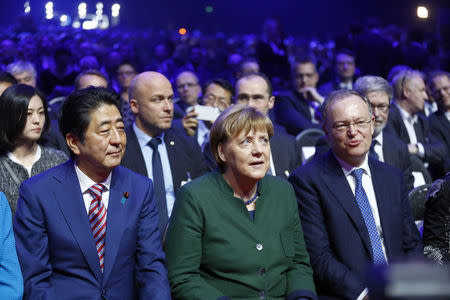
{"x":420,"y":150}
{"x":363,"y":294}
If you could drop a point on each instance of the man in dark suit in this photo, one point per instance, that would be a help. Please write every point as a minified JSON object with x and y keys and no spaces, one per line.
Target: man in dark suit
{"x":385,"y":147}
{"x":178,"y":158}
{"x":189,"y":91}
{"x":344,"y":70}
{"x":255,"y":90}
{"x":296,"y":109}
{"x":439,"y":83}
{"x":407,"y":122}
{"x":88,"y":228}
{"x":354,"y":209}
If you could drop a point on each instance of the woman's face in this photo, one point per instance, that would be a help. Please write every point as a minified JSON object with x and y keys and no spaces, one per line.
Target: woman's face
{"x":246,"y":156}
{"x":35,"y":120}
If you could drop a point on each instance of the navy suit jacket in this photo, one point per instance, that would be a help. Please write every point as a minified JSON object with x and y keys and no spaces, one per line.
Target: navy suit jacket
{"x":440,"y":127}
{"x":292,"y":111}
{"x":185,"y":158}
{"x":56,"y":248}
{"x":434,"y":149}
{"x":334,"y":229}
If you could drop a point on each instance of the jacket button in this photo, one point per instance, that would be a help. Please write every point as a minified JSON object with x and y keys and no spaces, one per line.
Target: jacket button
{"x":262,"y":271}
{"x":259,"y":247}
{"x":262,"y":295}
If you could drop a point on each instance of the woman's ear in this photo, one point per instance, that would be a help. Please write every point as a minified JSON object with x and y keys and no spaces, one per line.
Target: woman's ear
{"x":220,"y":152}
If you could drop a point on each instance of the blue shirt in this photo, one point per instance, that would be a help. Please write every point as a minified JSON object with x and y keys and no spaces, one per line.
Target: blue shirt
{"x":147,"y":152}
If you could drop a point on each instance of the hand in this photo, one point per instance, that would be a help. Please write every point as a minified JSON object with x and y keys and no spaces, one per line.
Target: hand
{"x":190,"y":122}
{"x":312,"y":94}
{"x":413,"y":149}
{"x":366,"y":297}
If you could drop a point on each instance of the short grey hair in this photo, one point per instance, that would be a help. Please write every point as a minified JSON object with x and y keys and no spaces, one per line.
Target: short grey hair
{"x":369,"y":83}
{"x":339,"y":95}
{"x":21,"y":66}
{"x":401,"y":79}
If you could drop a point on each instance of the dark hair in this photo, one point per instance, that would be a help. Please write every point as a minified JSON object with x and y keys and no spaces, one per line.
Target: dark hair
{"x":7,"y":77}
{"x":343,"y":51}
{"x":89,"y":72}
{"x":261,"y":75}
{"x":13,"y":114}
{"x":303,"y":60}
{"x":127,"y":62}
{"x":76,"y":110}
{"x":223,"y":83}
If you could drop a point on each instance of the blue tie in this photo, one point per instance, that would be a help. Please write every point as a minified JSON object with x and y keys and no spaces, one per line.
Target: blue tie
{"x":366,"y":211}
{"x":158,"y":184}
{"x":372,"y":152}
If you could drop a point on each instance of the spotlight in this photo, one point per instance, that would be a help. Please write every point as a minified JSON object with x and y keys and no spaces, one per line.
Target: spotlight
{"x":115,"y":10}
{"x":99,"y":6}
{"x":27,"y":7}
{"x":182,"y":31}
{"x":82,"y":10}
{"x":49,"y":6}
{"x":422,"y":12}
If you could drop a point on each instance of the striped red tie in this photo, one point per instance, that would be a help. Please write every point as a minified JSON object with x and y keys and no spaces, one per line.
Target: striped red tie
{"x":97,"y":220}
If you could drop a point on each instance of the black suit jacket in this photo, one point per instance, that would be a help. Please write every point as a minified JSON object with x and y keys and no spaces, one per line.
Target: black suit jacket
{"x":286,"y":157}
{"x":440,"y":127}
{"x":435,"y":151}
{"x":185,"y":158}
{"x":292,"y":111}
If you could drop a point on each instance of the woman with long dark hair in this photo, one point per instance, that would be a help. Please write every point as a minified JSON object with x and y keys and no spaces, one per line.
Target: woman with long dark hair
{"x":23,"y":120}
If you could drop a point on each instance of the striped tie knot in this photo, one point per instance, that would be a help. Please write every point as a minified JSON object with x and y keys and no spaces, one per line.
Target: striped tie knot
{"x":96,"y":190}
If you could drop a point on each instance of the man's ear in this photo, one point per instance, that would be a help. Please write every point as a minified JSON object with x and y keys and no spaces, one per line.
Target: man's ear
{"x":73,"y":143}
{"x":271,"y":102}
{"x":134,"y":105}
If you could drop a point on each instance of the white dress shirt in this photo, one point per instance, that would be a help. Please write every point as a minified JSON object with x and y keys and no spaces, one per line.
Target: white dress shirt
{"x":409,"y":121}
{"x":378,"y":147}
{"x":147,"y":153}
{"x":86,"y":183}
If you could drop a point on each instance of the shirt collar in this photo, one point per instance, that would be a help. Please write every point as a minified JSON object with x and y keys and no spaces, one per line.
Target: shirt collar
{"x":348,"y":169}
{"x":144,"y":138}
{"x":379,"y":138}
{"x":405,"y":115}
{"x":447,"y":114}
{"x":86,"y":182}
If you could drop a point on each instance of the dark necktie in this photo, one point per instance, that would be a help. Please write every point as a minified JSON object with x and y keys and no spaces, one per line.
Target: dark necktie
{"x":97,"y":220}
{"x":369,"y":220}
{"x":372,"y":152}
{"x":158,"y":184}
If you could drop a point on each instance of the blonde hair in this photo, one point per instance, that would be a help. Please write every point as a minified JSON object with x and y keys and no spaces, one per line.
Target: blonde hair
{"x":232,"y":122}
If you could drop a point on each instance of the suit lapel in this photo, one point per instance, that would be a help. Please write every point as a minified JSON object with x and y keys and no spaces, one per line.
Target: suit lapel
{"x":115,"y":221}
{"x":382,"y":196}
{"x":70,"y":201}
{"x":175,"y":159}
{"x":336,"y":182}
{"x":133,"y":158}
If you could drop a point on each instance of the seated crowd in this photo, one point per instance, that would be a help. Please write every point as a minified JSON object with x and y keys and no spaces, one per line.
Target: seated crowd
{"x":151,"y":176}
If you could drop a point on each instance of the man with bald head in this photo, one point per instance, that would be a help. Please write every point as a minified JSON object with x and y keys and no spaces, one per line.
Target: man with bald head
{"x":154,"y":149}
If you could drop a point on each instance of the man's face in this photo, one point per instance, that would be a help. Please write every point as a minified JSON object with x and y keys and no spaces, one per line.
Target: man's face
{"x":349,"y":129}
{"x":26,"y":78}
{"x":188,"y":88}
{"x":104,"y":141}
{"x":305,"y":75}
{"x":125,"y":74}
{"x":345,"y":66}
{"x":441,"y":91}
{"x":380,"y":108}
{"x":253,"y":91}
{"x":154,"y":106}
{"x":415,"y":93}
{"x":92,"y":80}
{"x":217,"y":96}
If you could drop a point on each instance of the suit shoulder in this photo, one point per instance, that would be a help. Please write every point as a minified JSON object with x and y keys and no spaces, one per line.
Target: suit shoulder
{"x":385,"y":168}
{"x":132,"y":176}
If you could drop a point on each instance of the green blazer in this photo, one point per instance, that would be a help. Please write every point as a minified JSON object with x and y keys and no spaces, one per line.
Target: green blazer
{"x":214,"y":248}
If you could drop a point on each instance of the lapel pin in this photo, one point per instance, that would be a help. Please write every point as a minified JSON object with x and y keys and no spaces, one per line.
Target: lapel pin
{"x":124,"y":198}
{"x":172,"y":143}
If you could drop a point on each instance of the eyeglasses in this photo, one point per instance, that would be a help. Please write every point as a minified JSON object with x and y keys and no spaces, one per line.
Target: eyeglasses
{"x":381,"y":107}
{"x":341,"y":127}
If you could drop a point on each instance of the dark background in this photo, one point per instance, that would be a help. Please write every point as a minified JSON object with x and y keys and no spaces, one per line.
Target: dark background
{"x":316,"y":18}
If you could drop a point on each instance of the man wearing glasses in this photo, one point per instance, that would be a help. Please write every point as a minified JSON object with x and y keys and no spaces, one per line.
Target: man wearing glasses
{"x":385,"y":146}
{"x":354,"y":209}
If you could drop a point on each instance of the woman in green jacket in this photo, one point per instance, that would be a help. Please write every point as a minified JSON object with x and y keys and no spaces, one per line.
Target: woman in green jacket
{"x":235,"y":233}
